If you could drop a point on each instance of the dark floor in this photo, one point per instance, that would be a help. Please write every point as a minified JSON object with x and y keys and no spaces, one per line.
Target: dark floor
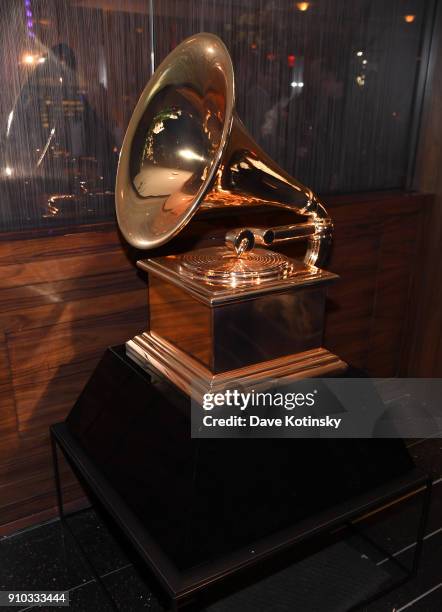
{"x":48,"y":558}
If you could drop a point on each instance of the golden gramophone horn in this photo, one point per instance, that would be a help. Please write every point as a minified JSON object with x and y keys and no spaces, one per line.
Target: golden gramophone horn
{"x":185,"y":150}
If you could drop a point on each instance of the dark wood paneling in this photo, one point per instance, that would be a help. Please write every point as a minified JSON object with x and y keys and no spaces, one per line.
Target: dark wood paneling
{"x":375,"y":252}
{"x":351,"y":299}
{"x":64,"y":298}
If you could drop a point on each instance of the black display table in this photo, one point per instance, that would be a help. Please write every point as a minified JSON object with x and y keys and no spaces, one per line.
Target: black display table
{"x":207,"y":516}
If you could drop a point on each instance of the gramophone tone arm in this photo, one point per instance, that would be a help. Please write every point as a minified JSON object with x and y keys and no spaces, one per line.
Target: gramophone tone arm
{"x":282,"y":233}
{"x":317,"y":232}
{"x":247,"y":238}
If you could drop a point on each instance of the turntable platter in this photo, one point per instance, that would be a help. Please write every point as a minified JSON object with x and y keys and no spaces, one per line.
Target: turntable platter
{"x":221,"y":266}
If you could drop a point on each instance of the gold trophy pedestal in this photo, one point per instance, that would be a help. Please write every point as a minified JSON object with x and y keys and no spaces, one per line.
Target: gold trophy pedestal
{"x":218,"y":321}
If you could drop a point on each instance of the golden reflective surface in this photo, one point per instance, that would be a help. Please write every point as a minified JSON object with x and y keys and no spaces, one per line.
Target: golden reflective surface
{"x":174,"y":141}
{"x":195,"y":277}
{"x":220,"y":266}
{"x":189,"y":375}
{"x":186,"y":150}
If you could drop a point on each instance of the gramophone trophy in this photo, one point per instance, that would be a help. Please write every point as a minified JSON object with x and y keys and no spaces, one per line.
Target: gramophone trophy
{"x":238,"y":313}
{"x":202,"y":511}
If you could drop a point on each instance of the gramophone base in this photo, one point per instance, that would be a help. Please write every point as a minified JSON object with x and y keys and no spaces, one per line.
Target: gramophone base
{"x":149,"y":350}
{"x":230,"y":328}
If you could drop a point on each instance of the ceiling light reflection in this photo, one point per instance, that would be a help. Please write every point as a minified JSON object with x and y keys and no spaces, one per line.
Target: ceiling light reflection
{"x":8,"y":125}
{"x":189,"y":154}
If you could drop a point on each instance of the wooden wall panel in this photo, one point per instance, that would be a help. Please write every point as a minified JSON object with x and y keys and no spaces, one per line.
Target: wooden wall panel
{"x":350,"y":300}
{"x":389,"y":325}
{"x":64,"y":298}
{"x":50,"y":365}
{"x":376,"y":253}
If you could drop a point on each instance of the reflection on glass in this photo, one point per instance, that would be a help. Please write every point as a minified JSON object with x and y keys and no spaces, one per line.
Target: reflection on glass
{"x":68,"y":96}
{"x":56,"y":143}
{"x":326,"y":87}
{"x":317,"y":82}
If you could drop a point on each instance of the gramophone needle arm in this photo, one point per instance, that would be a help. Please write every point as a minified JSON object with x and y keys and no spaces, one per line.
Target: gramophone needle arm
{"x":270,"y":235}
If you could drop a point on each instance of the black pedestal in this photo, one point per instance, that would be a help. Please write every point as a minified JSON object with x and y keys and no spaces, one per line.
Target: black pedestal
{"x":200,"y":510}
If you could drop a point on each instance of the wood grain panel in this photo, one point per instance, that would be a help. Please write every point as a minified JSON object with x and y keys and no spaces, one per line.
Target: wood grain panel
{"x":354,"y":258}
{"x":49,"y":366}
{"x":64,"y":298}
{"x":375,"y":252}
{"x":398,"y":252}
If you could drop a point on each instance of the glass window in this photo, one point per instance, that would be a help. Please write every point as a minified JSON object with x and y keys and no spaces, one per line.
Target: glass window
{"x":326,"y":87}
{"x":72,"y":71}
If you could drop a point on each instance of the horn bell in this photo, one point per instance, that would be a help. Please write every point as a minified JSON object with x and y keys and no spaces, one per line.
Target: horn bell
{"x":175,"y":141}
{"x":186,"y":150}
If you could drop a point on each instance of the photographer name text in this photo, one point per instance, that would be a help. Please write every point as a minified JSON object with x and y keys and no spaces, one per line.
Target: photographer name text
{"x":256,"y":421}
